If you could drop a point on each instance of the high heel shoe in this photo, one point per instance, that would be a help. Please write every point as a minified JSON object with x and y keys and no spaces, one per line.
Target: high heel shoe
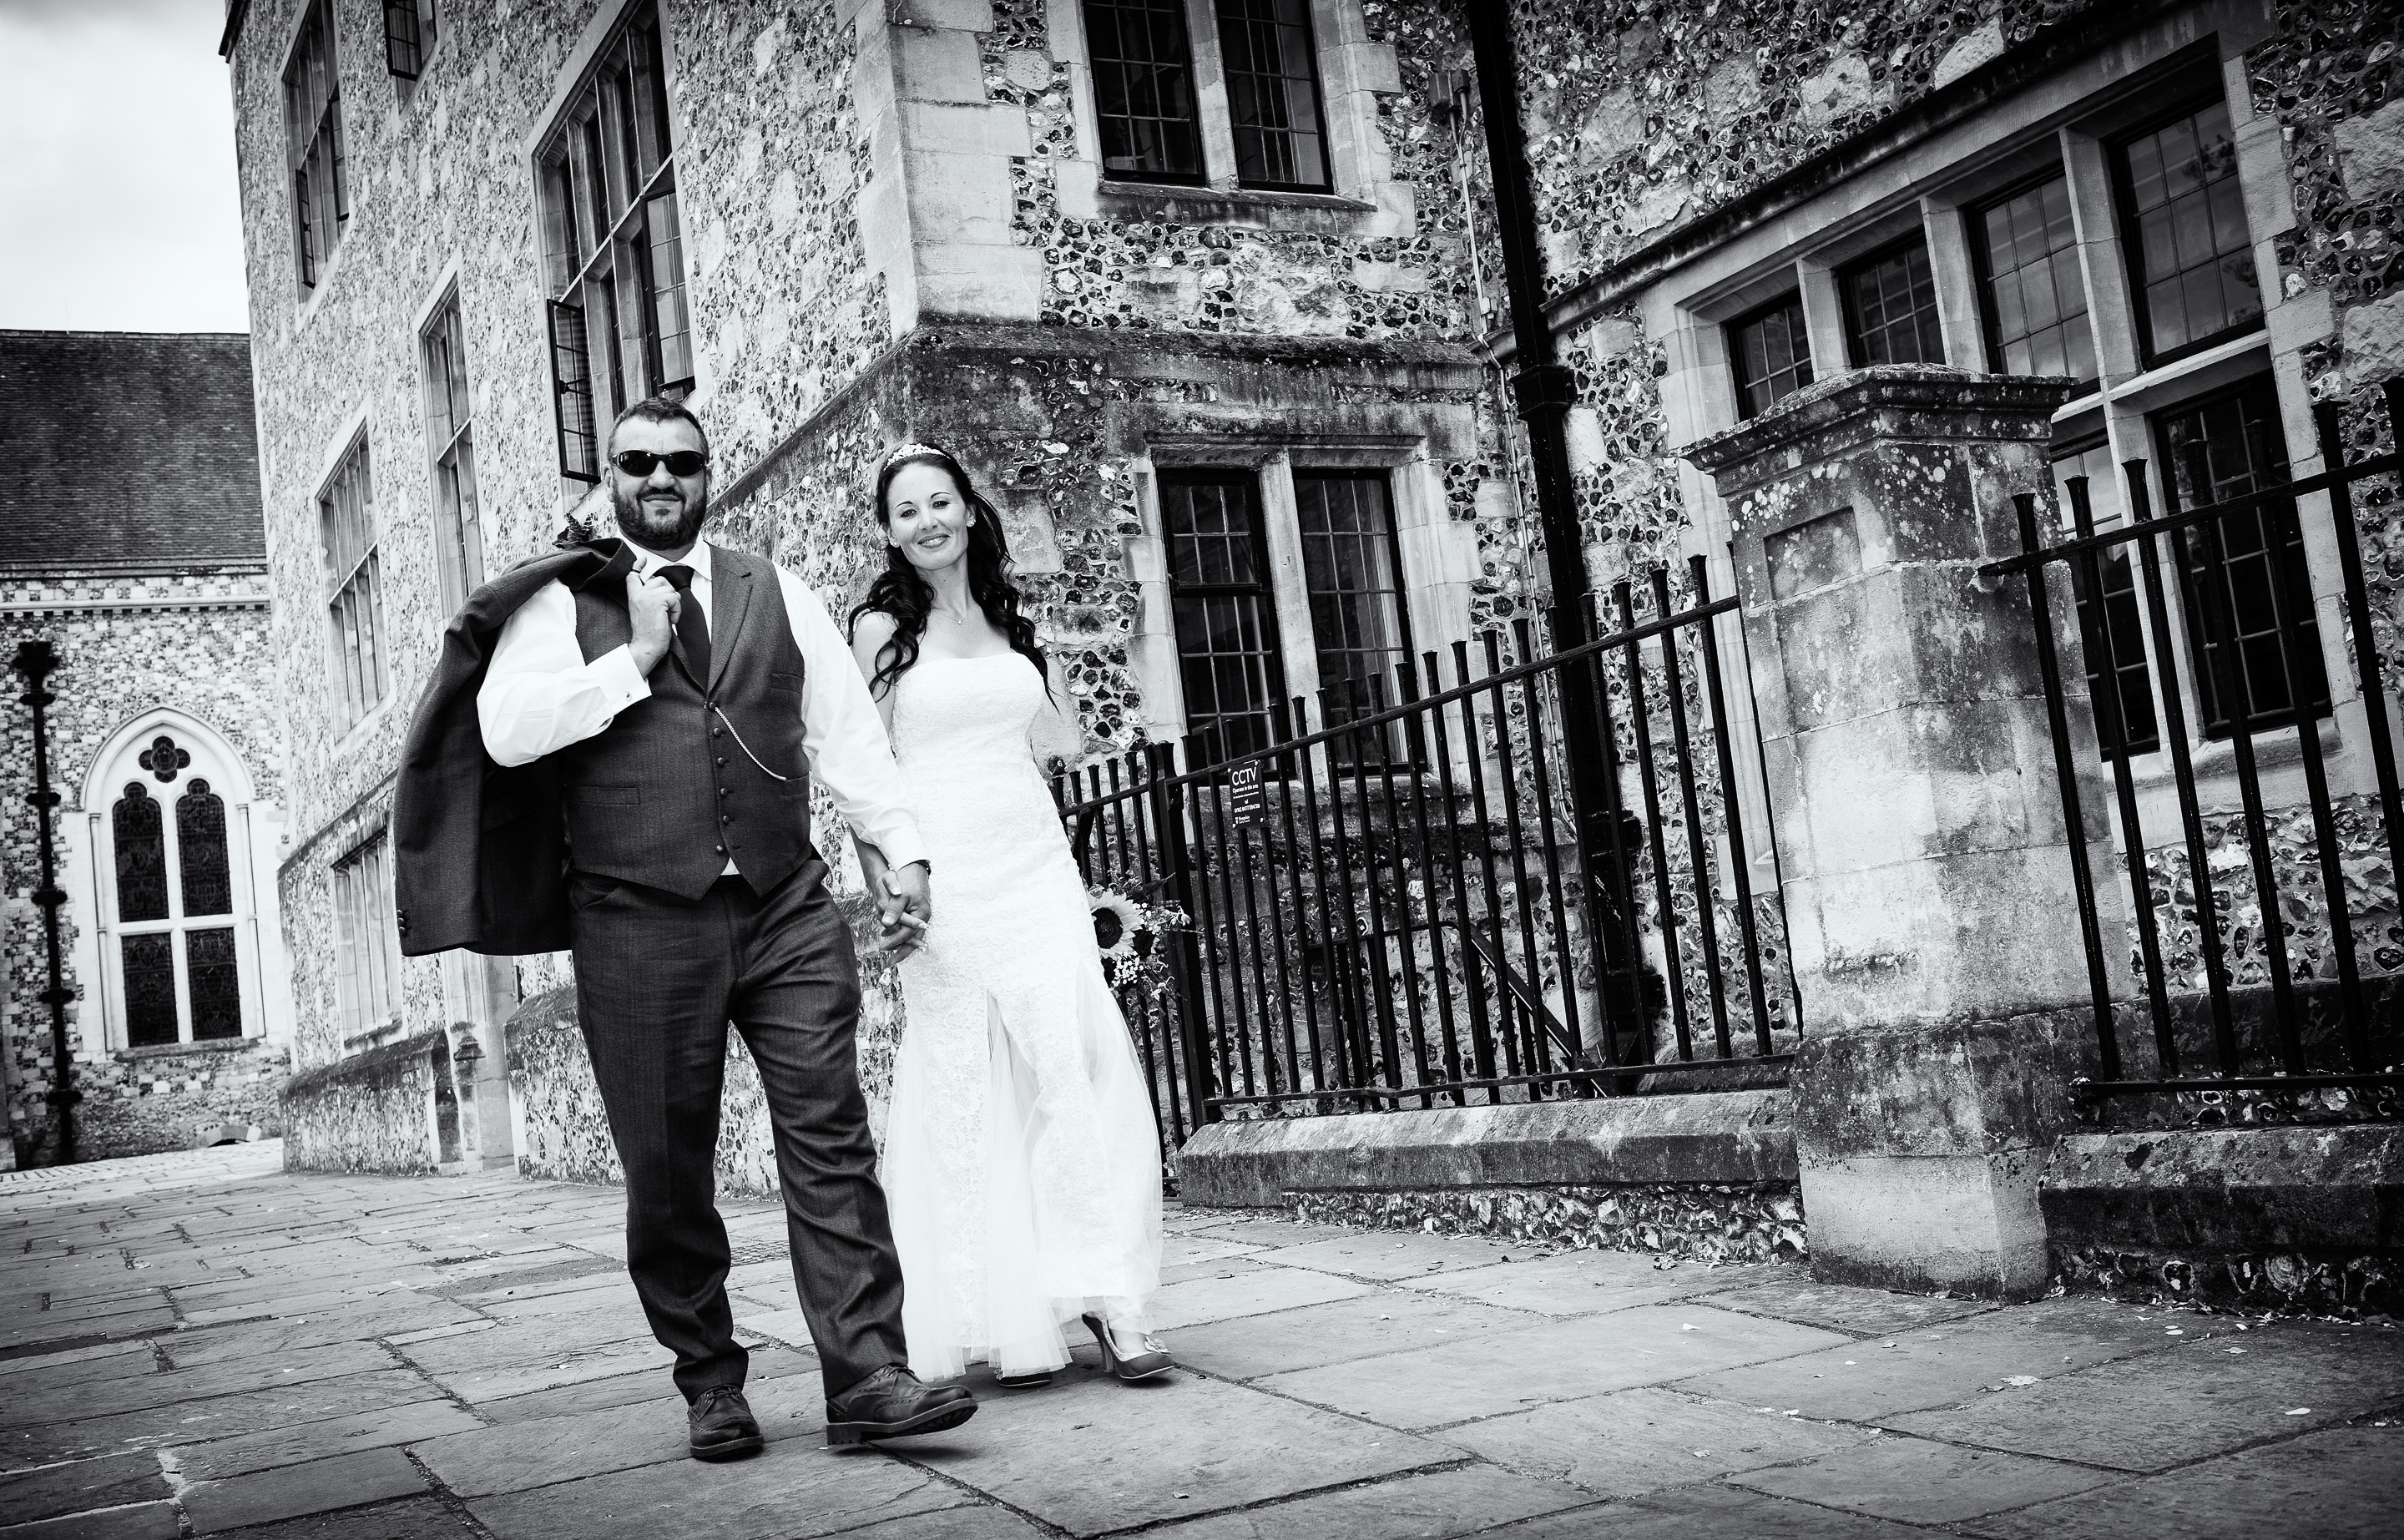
{"x":1150,"y":1359}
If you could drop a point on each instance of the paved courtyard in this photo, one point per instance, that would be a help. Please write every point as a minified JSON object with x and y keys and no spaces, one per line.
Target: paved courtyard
{"x":204,"y":1345}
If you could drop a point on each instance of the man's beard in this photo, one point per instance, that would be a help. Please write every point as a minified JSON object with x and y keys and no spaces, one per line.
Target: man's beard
{"x":641,"y":525}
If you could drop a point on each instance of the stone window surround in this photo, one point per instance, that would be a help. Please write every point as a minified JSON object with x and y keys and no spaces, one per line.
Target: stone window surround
{"x":364,"y":830}
{"x":353,"y":435}
{"x":87,"y":864}
{"x":445,"y":294}
{"x":1434,"y":564}
{"x":2068,"y":120}
{"x":575,"y":72}
{"x":1367,"y":200}
{"x":306,"y":298}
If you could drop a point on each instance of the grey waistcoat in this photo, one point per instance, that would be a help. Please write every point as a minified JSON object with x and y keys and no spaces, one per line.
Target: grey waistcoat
{"x":665,"y":793}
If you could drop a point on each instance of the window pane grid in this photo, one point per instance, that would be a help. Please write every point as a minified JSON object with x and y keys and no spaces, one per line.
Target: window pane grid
{"x":367,"y":990}
{"x":615,"y":254}
{"x":1225,"y":616}
{"x":313,"y":128}
{"x":346,"y":515}
{"x":1143,"y":64}
{"x":2035,"y":296}
{"x":1769,"y":354}
{"x":1360,"y":629}
{"x":2191,"y":258}
{"x":458,"y":537}
{"x":2215,"y":451}
{"x":1890,"y":309}
{"x":1273,"y":93}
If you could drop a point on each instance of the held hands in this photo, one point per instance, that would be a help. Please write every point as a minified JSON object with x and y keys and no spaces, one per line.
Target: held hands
{"x":904,"y":905}
{"x":651,"y":604}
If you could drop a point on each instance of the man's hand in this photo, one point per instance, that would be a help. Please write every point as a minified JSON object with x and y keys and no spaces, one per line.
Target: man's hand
{"x":905,"y":908}
{"x":651,"y":604}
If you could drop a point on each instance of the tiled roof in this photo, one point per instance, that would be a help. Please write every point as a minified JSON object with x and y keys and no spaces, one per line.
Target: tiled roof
{"x":127,"y":449}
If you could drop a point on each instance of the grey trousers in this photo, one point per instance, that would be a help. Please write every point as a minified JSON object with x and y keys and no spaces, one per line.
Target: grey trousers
{"x":657,"y":981}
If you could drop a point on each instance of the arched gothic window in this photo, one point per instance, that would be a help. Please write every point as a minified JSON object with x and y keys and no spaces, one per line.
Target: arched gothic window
{"x":178,"y":953}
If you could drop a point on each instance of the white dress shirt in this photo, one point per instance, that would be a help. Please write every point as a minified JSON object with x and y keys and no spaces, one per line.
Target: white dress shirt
{"x":540,"y":695}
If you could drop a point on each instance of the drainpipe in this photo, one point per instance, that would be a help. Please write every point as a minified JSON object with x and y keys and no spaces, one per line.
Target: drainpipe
{"x":34,"y":660}
{"x":1543,"y":389}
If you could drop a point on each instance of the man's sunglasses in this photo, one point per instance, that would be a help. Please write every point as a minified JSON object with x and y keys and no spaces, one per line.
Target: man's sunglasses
{"x":642,"y":462}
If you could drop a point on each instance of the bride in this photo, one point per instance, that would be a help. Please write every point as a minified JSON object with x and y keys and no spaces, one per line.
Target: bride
{"x":1020,"y":1159}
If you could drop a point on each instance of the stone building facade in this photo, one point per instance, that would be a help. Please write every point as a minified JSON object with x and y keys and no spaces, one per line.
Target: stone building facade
{"x":135,"y":551}
{"x":843,"y":223}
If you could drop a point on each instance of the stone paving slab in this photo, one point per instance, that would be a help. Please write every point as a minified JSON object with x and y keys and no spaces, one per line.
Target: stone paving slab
{"x":318,"y":1439}
{"x":144,"y":1521}
{"x":1556,"y":1361}
{"x":1137,"y":1456}
{"x":288,"y":1491}
{"x":1634,"y":1442}
{"x":795,"y":1489}
{"x":1312,"y":1335}
{"x":207,"y":1336}
{"x":1586,"y":1282}
{"x":2286,"y":1384}
{"x":2338,"y":1484}
{"x":1917,"y":1482}
{"x":1431,"y":1506}
{"x":1883,"y":1377}
{"x":85,"y":1484}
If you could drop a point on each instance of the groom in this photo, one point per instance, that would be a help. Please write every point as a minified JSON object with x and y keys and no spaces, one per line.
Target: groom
{"x":671,"y":699}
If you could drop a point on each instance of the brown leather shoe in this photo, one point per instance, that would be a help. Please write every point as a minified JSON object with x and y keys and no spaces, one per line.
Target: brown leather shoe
{"x":720,"y":1425}
{"x":892,"y":1403}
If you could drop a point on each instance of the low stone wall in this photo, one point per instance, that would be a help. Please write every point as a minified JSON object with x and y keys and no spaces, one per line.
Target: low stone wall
{"x":563,"y":1131}
{"x":1709,"y":1176}
{"x":2305,"y":1219}
{"x":146,"y":1101}
{"x":379,"y":1111}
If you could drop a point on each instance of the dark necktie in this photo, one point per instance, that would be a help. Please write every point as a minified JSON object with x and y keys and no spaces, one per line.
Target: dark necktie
{"x":692,"y":629}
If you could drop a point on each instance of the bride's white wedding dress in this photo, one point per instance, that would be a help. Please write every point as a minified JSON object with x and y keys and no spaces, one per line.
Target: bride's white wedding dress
{"x":1022,"y":1163}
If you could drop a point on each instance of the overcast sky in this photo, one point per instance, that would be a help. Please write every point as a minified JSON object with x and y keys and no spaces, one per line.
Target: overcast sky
{"x":119,"y":207}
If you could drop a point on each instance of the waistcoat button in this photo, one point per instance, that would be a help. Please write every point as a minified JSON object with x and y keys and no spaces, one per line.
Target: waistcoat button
{"x":726,"y":818}
{"x":723,"y":791}
{"x":718,"y":732}
{"x":721,"y":762}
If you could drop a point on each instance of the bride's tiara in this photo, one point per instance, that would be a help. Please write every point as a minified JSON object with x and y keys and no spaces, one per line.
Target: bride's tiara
{"x":903,"y":452}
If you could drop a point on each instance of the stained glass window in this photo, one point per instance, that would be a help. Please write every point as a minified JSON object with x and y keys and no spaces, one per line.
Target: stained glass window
{"x":201,"y":851}
{"x":216,"y":984}
{"x":141,"y":855}
{"x":150,"y":985}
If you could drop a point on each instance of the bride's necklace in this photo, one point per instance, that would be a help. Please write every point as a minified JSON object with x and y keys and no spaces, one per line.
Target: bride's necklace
{"x":960,"y":619}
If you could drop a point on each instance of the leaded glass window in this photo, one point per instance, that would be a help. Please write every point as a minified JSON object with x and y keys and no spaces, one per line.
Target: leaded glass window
{"x":613,"y":245}
{"x":1142,"y":61}
{"x":367,"y":944}
{"x":140,"y":832}
{"x":201,"y":851}
{"x":216,"y":984}
{"x":1352,"y":572}
{"x":1273,"y":95}
{"x":2027,"y":251}
{"x":2227,"y":447}
{"x":1226,"y":615}
{"x":2191,"y":256}
{"x":148,"y":965}
{"x":1891,"y":308}
{"x":1768,"y":354}
{"x":2118,"y":607}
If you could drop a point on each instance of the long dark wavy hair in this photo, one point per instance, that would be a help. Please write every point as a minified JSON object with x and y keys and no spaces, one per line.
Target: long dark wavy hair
{"x":901,"y":592}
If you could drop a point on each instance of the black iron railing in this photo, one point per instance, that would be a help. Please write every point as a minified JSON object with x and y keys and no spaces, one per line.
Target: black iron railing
{"x":1399,"y":909}
{"x":2227,"y":901}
